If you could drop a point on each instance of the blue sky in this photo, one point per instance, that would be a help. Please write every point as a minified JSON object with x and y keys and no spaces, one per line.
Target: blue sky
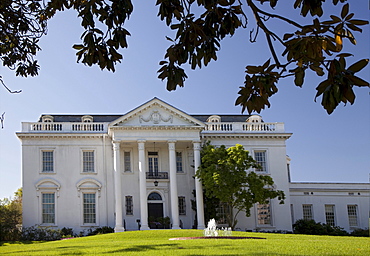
{"x":324,"y":148}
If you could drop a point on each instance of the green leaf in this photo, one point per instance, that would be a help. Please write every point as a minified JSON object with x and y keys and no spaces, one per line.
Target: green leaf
{"x":359,"y":65}
{"x":345,"y":10}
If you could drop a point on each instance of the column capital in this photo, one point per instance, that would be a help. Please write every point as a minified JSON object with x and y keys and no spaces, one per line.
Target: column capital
{"x":171,"y":144}
{"x":141,"y":144}
{"x":196,"y":145}
{"x":116,"y":145}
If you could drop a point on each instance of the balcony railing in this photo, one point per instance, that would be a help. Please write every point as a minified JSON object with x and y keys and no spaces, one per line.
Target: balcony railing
{"x":244,"y":127}
{"x":157,"y":175}
{"x":64,"y":127}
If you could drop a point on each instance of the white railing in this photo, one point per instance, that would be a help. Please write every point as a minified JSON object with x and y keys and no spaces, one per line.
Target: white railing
{"x":245,"y":127}
{"x":64,"y":127}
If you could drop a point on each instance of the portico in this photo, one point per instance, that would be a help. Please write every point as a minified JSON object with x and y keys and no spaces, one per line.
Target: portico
{"x":160,"y":143}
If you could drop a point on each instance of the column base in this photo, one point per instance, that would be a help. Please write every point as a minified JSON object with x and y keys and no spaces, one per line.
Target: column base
{"x":119,"y":229}
{"x":201,"y":227}
{"x":175,"y":227}
{"x":144,"y":227}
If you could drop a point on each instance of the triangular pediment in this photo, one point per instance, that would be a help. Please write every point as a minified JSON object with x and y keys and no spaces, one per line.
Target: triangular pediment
{"x":156,"y":113}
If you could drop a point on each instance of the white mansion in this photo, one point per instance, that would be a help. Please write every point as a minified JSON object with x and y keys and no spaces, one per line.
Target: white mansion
{"x":126,"y":171}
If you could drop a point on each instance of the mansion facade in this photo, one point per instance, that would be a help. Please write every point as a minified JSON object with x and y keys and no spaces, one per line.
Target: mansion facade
{"x":131,"y":171}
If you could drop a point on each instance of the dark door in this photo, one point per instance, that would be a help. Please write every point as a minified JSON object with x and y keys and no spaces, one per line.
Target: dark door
{"x":155,"y":210}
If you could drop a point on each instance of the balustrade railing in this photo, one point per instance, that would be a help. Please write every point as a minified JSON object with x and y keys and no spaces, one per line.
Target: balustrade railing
{"x":157,"y":175}
{"x":64,"y":127}
{"x":245,"y":127}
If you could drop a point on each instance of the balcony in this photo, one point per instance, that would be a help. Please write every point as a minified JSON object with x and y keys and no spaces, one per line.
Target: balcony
{"x":238,"y":127}
{"x":64,"y":127}
{"x":157,"y":175}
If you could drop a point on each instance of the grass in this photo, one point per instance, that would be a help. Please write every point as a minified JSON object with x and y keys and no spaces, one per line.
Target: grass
{"x":156,"y":242}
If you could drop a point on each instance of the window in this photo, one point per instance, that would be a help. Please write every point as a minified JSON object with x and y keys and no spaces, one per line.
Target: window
{"x":264,"y":214}
{"x":127,"y":161}
{"x":48,"y":161}
{"x":223,"y":211}
{"x":352,"y":215}
{"x":307,"y":211}
{"x":329,"y":214}
{"x":182,"y":205}
{"x":87,"y":119}
{"x":47,"y":119}
{"x":48,"y":208}
{"x":260,"y":157}
{"x":153,"y":163}
{"x":88,"y":161}
{"x":179,"y":162}
{"x":89,"y":209}
{"x":129,"y":206}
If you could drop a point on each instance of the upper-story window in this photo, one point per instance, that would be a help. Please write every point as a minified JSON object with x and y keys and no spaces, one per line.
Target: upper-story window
{"x":261,"y":159}
{"x":47,"y":161}
{"x":47,"y":119}
{"x":87,"y":119}
{"x":179,"y":162}
{"x":88,"y":161}
{"x":127,"y":161}
{"x":153,"y":163}
{"x":254,"y":119}
{"x":214,"y":119}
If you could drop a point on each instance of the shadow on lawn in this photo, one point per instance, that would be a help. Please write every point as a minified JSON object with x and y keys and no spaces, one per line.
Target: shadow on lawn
{"x":140,"y":248}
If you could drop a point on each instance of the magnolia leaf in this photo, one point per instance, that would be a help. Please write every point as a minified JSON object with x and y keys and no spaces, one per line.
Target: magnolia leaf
{"x":358,"y":81}
{"x":359,"y":65}
{"x":345,"y":10}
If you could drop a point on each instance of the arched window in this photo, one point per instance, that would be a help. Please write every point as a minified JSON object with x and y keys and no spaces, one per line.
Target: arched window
{"x":87,"y":119}
{"x":154,"y":196}
{"x":47,"y":119}
{"x":254,"y":119}
{"x":214,"y":119}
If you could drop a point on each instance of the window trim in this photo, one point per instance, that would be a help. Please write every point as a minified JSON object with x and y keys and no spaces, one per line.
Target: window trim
{"x":182,"y":162}
{"x":271,"y":224}
{"x":267,"y":167}
{"x":304,"y":206}
{"x":182,"y":207}
{"x":356,"y":216}
{"x":124,"y":161}
{"x":42,"y":150}
{"x":327,"y":214}
{"x":47,"y":186}
{"x":127,"y":212}
{"x":82,"y":151}
{"x":89,"y":186}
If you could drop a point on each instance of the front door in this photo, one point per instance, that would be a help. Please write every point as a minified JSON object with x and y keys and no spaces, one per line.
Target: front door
{"x":155,"y":211}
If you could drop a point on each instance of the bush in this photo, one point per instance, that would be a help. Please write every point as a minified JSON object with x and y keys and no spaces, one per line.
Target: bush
{"x":310,"y":227}
{"x":37,"y":233}
{"x":101,"y":230}
{"x":360,"y":232}
{"x":67,"y":232}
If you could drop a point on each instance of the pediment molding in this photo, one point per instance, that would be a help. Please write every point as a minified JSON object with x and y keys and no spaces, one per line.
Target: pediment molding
{"x":161,"y":114}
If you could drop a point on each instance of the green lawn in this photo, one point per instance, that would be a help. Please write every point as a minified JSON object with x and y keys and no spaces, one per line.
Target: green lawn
{"x":156,"y":242}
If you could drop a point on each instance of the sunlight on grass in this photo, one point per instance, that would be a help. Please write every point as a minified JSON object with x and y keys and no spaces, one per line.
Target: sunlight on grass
{"x":156,"y":242}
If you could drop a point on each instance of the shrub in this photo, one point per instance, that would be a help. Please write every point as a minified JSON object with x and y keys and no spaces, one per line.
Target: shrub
{"x":37,"y":233}
{"x":67,"y":232}
{"x":101,"y":230}
{"x":360,"y":232}
{"x":310,"y":227}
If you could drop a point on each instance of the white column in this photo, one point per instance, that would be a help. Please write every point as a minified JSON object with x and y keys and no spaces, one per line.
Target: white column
{"x":198,"y":187}
{"x":117,"y":188}
{"x":173,"y":185}
{"x":142,"y":186}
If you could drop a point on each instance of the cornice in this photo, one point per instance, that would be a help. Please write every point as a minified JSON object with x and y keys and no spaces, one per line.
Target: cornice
{"x":59,"y":135}
{"x":156,"y":127}
{"x":284,"y":136}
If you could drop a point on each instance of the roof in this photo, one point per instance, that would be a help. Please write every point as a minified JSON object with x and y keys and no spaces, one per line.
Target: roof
{"x":101,"y":118}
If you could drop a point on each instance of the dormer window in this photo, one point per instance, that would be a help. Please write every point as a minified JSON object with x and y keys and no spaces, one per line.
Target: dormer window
{"x":87,"y":119}
{"x":47,"y":119}
{"x":214,"y":119}
{"x":254,"y":119}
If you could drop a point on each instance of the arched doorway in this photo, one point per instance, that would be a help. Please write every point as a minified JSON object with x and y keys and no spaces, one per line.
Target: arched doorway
{"x":155,"y":210}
